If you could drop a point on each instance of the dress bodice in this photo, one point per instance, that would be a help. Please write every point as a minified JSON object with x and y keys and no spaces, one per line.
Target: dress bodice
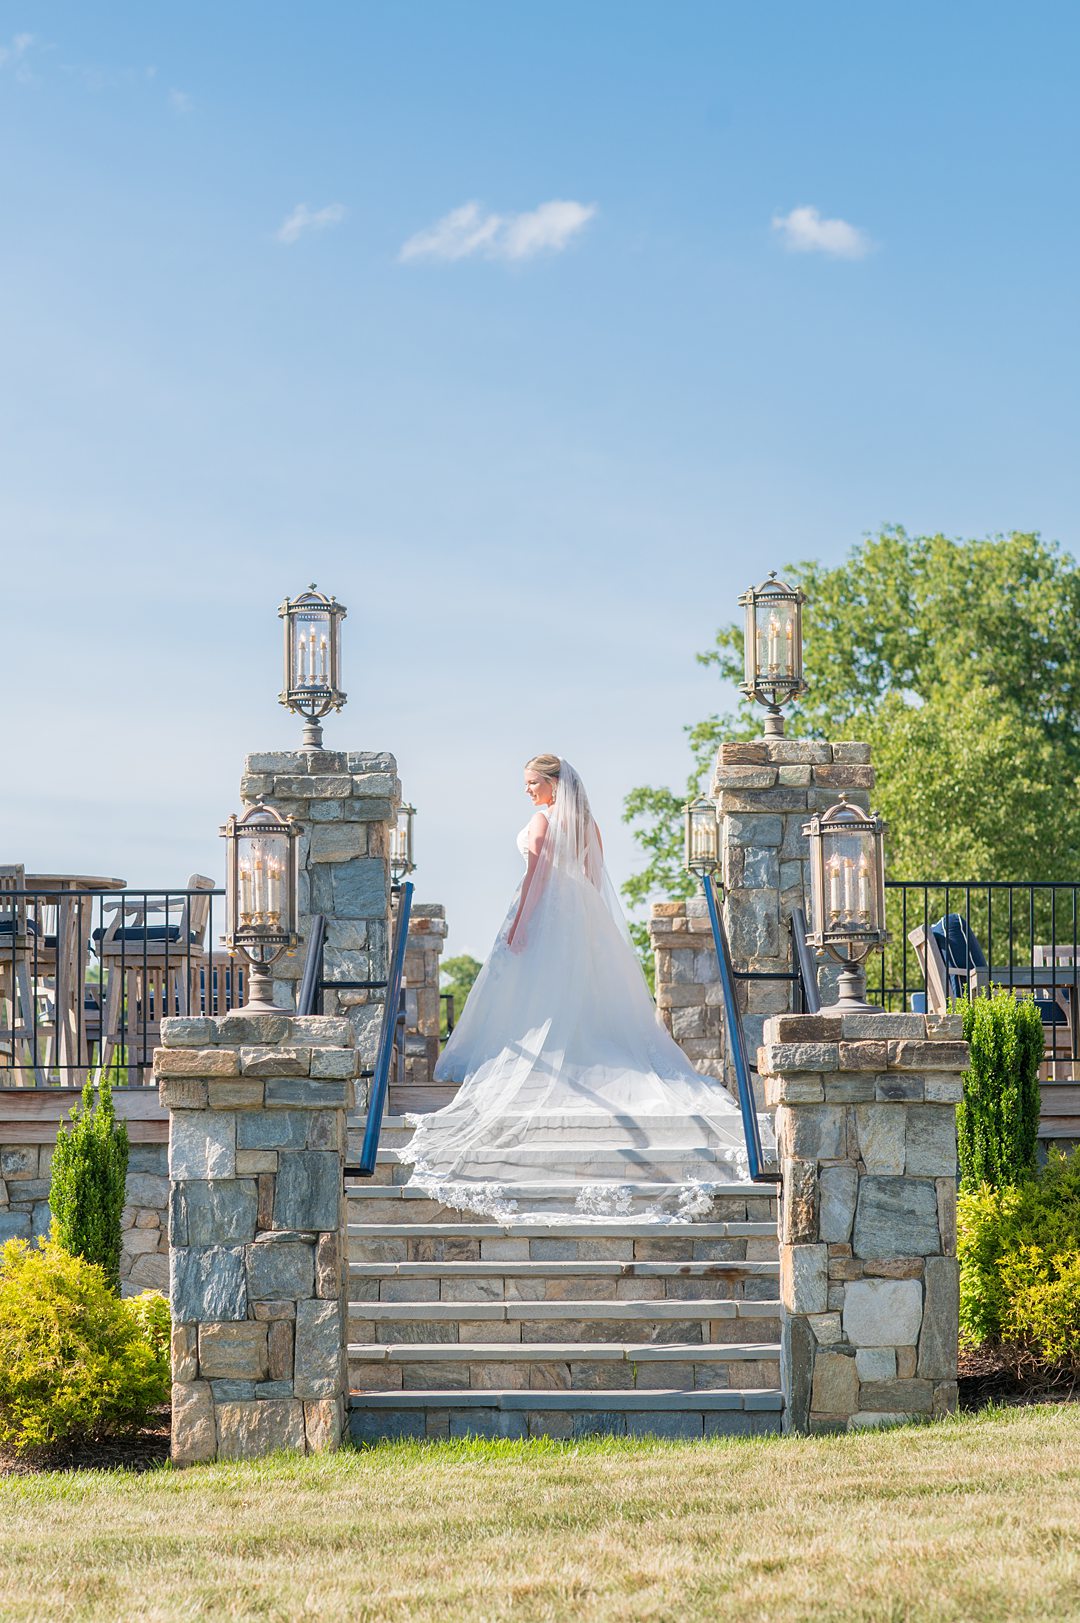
{"x":523,"y":837}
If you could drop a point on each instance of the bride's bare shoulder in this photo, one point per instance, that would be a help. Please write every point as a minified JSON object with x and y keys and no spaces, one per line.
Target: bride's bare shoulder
{"x":537,"y":830}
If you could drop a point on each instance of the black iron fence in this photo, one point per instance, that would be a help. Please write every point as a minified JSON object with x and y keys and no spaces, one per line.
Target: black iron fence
{"x":950,"y":937}
{"x":87,"y":975}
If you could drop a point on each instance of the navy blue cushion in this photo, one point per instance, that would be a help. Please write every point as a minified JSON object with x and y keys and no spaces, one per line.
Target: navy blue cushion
{"x":961,"y":950}
{"x":918,"y":1002}
{"x":7,"y":926}
{"x":139,"y":933}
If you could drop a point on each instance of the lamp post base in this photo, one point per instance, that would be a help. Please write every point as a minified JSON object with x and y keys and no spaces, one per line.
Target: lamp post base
{"x":852,"y":990}
{"x":312,"y":739}
{"x":774,"y":722}
{"x":260,"y":993}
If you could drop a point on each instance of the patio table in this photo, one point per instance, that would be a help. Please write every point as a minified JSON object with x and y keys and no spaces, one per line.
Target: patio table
{"x":1061,"y":981}
{"x":74,"y":895}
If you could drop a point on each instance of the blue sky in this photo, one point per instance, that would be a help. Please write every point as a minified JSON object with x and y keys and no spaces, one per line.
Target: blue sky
{"x":812,"y":269}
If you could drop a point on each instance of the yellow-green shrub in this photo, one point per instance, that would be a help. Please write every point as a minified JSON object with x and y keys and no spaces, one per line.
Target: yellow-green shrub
{"x":75,"y":1361}
{"x":1019,"y":1251}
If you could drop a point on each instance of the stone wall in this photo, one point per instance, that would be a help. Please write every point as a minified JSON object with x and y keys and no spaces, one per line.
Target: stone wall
{"x":688,"y":994}
{"x":26,"y":1151}
{"x":427,"y":934}
{"x":765,"y":789}
{"x":866,"y":1128}
{"x":257,"y":1129}
{"x":345,"y":802}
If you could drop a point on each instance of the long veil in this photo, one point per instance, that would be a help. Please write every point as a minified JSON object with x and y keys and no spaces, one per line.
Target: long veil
{"x":565,"y":1070}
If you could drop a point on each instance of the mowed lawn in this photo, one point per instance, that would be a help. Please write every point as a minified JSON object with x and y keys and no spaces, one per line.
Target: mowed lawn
{"x":975,"y":1519}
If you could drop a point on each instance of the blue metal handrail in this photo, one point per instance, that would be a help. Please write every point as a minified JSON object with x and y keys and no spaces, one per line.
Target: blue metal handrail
{"x":309,"y":997}
{"x":804,"y":963}
{"x":736,"y":1039}
{"x":381,"y":1080}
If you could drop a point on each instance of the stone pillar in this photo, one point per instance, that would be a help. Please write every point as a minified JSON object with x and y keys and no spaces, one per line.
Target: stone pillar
{"x":765,"y":789}
{"x":866,"y":1127}
{"x":346,"y":802}
{"x":427,"y":932}
{"x":688,"y":995}
{"x":257,"y":1107}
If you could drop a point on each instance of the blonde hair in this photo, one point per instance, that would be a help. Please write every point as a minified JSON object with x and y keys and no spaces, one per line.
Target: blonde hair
{"x":549,"y":766}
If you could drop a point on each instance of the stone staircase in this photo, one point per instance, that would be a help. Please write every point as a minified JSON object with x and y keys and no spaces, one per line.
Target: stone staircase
{"x":525,"y":1328}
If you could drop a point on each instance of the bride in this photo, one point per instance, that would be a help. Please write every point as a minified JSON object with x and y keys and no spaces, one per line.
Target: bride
{"x":567,"y":1076}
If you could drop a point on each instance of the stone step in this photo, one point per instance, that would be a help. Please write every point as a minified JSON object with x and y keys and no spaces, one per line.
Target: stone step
{"x":689,"y":1164}
{"x":596,"y":1366}
{"x":727,"y":1201}
{"x":560,"y":1281}
{"x":556,"y":1130}
{"x":656,"y":1412}
{"x":599,"y":1240}
{"x":706,"y":1320}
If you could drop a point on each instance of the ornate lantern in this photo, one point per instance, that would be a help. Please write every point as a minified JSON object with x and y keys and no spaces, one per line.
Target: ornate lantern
{"x":260,"y":895}
{"x":847,"y":894}
{"x":773,"y":648}
{"x":312,"y":659}
{"x":400,"y":852}
{"x":702,"y":836}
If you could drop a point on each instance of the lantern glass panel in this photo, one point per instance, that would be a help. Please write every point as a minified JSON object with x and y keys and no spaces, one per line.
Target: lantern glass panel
{"x":312,"y":631}
{"x":775,"y":638}
{"x":262,"y":874}
{"x":702,"y":835}
{"x":850,"y":880}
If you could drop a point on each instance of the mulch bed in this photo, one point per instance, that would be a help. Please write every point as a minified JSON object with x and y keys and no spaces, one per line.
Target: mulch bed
{"x":144,"y":1451}
{"x":990,"y":1375}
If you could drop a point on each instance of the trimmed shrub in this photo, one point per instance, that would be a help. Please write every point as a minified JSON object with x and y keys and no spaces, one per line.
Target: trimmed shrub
{"x":1019,"y":1250}
{"x":997,"y":1123}
{"x":89,"y":1174}
{"x":150,"y":1310}
{"x":75,"y":1361}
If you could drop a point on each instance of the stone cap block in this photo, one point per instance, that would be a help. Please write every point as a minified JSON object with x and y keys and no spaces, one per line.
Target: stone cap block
{"x":780,"y":1058}
{"x":296,"y":762}
{"x":261,"y":1030}
{"x":803,"y":1028}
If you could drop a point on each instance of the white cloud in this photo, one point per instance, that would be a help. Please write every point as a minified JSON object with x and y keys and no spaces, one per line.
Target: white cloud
{"x":805,"y":232}
{"x":179,"y":101}
{"x":15,"y":54}
{"x":470,"y":230}
{"x":302,"y":219}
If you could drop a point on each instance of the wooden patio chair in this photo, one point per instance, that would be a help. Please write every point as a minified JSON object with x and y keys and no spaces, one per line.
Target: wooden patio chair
{"x":152,"y":970}
{"x":22,"y":954}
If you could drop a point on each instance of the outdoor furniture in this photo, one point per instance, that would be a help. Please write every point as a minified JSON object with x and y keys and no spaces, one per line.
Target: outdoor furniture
{"x":152,"y":969}
{"x":953,"y":963}
{"x":70,"y":897}
{"x":19,"y":946}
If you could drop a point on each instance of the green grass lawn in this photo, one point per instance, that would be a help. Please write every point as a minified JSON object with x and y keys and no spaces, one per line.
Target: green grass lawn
{"x":975,"y":1519}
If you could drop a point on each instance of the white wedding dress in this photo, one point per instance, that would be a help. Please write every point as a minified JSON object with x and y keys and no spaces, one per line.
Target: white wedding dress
{"x":567,"y":1076}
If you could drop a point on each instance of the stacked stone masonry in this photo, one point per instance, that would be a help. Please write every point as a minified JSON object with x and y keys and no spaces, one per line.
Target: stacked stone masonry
{"x":427,"y":933}
{"x":26,"y":1152}
{"x":688,"y":994}
{"x":866,"y":1127}
{"x":345,"y":802}
{"x":765,"y":789}
{"x":257,"y":1134}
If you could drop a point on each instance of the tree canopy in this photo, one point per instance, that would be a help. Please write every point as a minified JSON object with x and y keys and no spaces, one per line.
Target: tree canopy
{"x":958,"y":661}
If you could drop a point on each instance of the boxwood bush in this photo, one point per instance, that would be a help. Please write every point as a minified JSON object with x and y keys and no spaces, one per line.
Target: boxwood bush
{"x":1019,"y":1249}
{"x":997,"y":1124}
{"x":76,"y":1362}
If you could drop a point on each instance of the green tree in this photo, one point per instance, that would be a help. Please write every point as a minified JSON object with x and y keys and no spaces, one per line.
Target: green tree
{"x":959,"y":663}
{"x":458,"y":975}
{"x":89,"y":1173}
